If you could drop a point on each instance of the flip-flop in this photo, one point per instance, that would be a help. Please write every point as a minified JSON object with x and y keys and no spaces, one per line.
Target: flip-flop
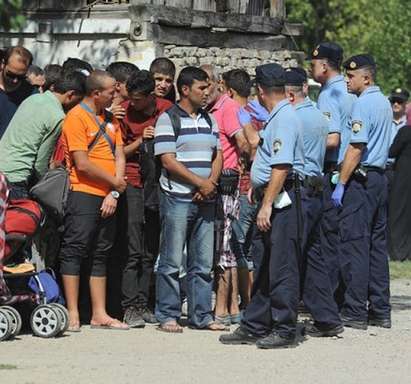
{"x":171,"y":328}
{"x":74,"y":329}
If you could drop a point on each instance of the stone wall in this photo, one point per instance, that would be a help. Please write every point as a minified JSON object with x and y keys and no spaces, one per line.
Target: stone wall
{"x":226,"y":59}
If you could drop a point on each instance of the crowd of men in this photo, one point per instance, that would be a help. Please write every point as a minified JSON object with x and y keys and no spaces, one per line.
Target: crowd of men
{"x":215,"y":182}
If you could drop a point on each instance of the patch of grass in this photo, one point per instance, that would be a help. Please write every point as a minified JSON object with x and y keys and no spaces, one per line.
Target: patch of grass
{"x":8,"y":366}
{"x":400,"y":270}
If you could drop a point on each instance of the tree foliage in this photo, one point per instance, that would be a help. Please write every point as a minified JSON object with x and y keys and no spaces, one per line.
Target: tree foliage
{"x":379,"y":27}
{"x":9,"y":14}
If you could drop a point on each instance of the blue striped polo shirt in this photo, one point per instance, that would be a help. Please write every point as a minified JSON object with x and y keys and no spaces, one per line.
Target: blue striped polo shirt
{"x":194,"y":147}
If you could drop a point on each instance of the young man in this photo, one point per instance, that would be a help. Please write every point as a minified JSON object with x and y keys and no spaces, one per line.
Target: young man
{"x":14,"y":88}
{"x":95,"y":158}
{"x":143,"y":228}
{"x":191,"y":159}
{"x":164,"y":71}
{"x":36,"y":77}
{"x":270,"y":318}
{"x":31,"y":136}
{"x":361,"y":197}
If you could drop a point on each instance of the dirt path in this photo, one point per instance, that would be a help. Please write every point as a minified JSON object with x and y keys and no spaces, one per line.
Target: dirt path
{"x":148,"y":356}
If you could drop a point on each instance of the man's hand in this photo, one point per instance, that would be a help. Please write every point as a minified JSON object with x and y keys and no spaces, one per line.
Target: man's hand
{"x":148,"y":132}
{"x":259,"y":112}
{"x":250,"y":196}
{"x":207,"y":188}
{"x":198,"y":197}
{"x":120,"y":184}
{"x":264,"y":217}
{"x":118,"y":111}
{"x":108,"y":208}
{"x":338,"y":195}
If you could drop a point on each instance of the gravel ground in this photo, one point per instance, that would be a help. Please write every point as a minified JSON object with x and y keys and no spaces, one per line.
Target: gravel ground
{"x":148,"y":356}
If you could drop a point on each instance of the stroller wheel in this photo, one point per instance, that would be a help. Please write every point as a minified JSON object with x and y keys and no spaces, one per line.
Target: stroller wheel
{"x":64,"y":317}
{"x":45,"y":321}
{"x":5,"y":325}
{"x":16,"y":320}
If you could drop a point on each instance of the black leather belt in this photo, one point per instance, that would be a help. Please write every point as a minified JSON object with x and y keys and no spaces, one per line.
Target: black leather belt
{"x":373,"y":169}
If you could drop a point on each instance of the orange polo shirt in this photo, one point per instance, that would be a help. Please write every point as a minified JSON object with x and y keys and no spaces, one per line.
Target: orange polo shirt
{"x":79,"y":129}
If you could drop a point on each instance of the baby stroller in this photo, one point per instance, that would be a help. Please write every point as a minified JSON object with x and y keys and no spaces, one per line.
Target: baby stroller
{"x":20,"y":220}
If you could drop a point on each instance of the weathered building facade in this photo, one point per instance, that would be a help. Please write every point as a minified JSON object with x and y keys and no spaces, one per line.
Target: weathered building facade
{"x":227,"y":33}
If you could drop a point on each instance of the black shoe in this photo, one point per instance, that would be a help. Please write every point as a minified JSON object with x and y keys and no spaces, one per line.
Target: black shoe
{"x":317,"y":331}
{"x":133,"y":318}
{"x":149,"y":317}
{"x":238,"y":337}
{"x":356,"y":324}
{"x":274,"y":340}
{"x":382,"y":323}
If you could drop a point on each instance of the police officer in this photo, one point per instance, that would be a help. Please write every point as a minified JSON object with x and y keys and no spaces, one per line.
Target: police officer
{"x":361,"y":196}
{"x":318,"y":295}
{"x":335,"y":103}
{"x":270,"y":318}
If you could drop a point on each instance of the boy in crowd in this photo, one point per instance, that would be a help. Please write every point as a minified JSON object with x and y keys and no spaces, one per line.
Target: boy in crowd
{"x":164,"y":71}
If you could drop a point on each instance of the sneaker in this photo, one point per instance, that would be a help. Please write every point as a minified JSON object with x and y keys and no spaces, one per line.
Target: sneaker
{"x":317,"y":331}
{"x":133,"y":318}
{"x":382,"y":323}
{"x":274,"y":340}
{"x":149,"y":317}
{"x":355,"y":324}
{"x":238,"y":337}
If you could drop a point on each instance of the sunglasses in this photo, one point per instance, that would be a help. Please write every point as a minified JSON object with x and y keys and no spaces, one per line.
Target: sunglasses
{"x":14,"y":76}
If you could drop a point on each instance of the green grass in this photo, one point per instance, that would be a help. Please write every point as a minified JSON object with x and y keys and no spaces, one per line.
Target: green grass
{"x":8,"y":366}
{"x":400,"y":270}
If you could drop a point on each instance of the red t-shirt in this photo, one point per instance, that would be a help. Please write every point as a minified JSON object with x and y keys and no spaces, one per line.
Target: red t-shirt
{"x":132,"y":127}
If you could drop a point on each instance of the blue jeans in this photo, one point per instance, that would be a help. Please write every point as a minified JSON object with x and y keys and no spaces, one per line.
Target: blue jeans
{"x":181,"y":222}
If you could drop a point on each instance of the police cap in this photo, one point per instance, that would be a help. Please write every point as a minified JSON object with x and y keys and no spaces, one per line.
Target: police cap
{"x":295,"y":76}
{"x":330,"y":51}
{"x":358,"y":62}
{"x":270,"y":75}
{"x":399,"y":94}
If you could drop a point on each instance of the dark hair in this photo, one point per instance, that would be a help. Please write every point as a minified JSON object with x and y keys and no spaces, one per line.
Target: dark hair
{"x":95,"y":82}
{"x":121,"y":70}
{"x":73,"y":64}
{"x":333,"y":65}
{"x":18,"y":50}
{"x":372,"y":71}
{"x":239,"y":80}
{"x":35,"y":70}
{"x":141,"y":82}
{"x":164,"y":66}
{"x":188,"y":75}
{"x":52,"y":73}
{"x":273,"y":89}
{"x":71,"y":81}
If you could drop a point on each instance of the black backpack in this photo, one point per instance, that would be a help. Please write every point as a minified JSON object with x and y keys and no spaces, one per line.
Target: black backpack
{"x":150,"y":165}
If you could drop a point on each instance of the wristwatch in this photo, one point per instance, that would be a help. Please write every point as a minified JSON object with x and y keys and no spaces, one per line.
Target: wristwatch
{"x":115,"y":194}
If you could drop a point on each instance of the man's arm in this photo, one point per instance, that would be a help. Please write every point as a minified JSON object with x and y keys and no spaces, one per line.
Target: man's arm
{"x":216,"y":167}
{"x":242,"y":142}
{"x":278,"y":176}
{"x":132,"y":148}
{"x":120,"y":162}
{"x":333,"y":140}
{"x":351,"y":161}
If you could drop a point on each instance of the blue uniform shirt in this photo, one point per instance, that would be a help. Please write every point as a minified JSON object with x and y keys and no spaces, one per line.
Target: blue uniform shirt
{"x":315,"y":131}
{"x":396,"y":126}
{"x":371,"y":122}
{"x":335,"y":103}
{"x":282,"y":143}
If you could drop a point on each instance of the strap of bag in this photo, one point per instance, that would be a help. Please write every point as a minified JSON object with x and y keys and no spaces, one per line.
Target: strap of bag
{"x":101,"y":132}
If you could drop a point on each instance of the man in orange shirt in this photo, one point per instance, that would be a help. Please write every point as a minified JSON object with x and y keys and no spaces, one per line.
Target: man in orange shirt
{"x":95,"y":158}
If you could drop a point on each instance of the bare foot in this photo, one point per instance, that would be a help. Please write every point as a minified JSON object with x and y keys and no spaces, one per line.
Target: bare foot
{"x":170,"y":327}
{"x":216,"y":326}
{"x":107,"y":321}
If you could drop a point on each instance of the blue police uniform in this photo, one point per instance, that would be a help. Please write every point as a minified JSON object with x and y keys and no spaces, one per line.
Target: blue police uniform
{"x":335,"y":103}
{"x":275,"y":293}
{"x":363,"y":248}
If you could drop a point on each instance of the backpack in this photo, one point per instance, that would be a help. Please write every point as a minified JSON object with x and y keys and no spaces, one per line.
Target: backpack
{"x":150,"y":164}
{"x":45,"y":283}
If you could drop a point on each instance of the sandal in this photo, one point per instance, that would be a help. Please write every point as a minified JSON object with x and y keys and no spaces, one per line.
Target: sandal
{"x":215,"y":326}
{"x":113,"y":325}
{"x":170,"y":327}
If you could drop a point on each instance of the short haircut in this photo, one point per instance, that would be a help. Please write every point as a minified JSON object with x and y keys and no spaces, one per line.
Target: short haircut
{"x":35,"y":70}
{"x":52,"y":73}
{"x":239,"y":80}
{"x":273,"y":89}
{"x":122,"y":70}
{"x":188,"y":75}
{"x":164,"y":66}
{"x":20,"y":51}
{"x":73,"y":64}
{"x":71,"y":81}
{"x":141,"y":82}
{"x":297,"y":89}
{"x":95,"y":82}
{"x":333,"y":65}
{"x":371,"y":70}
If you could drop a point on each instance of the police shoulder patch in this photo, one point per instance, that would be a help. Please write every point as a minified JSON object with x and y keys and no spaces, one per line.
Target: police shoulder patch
{"x":356,"y":126}
{"x":277,"y":145}
{"x":327,"y":115}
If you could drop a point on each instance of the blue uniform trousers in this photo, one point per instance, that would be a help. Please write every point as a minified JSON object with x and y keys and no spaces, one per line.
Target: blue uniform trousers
{"x":318,"y":294}
{"x":363,"y":248}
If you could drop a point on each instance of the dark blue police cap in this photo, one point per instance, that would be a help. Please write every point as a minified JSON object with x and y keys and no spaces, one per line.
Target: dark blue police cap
{"x":329,"y":51}
{"x":359,"y":61}
{"x":295,"y":76}
{"x":399,"y":94}
{"x":270,"y":75}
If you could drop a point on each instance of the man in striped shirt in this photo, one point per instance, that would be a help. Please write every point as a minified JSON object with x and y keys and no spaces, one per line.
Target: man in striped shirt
{"x":187,"y":142}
